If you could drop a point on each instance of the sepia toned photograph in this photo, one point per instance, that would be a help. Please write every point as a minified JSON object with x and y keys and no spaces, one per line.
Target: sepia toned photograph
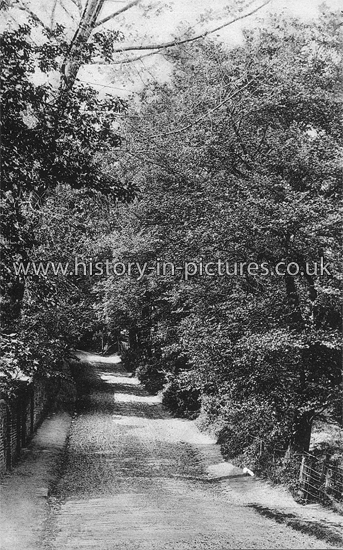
{"x":171,"y":275}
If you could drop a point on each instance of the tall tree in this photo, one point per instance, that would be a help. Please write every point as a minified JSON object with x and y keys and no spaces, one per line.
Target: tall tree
{"x":46,"y":155}
{"x":237,"y":161}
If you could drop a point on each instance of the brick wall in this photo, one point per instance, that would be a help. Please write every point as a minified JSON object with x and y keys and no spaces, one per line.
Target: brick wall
{"x":21,"y":415}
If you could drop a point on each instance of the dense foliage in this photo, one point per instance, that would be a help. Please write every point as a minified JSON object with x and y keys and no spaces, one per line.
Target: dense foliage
{"x":229,"y":170}
{"x":55,"y":199}
{"x":238,"y":160}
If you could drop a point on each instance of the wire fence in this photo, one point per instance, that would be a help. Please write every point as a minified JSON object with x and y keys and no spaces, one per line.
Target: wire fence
{"x":319,"y":480}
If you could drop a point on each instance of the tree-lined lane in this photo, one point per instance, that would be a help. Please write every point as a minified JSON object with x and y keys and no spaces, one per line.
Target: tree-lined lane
{"x":137,"y":478}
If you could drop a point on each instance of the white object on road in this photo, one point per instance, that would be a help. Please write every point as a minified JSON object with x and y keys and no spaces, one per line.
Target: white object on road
{"x":248,"y":472}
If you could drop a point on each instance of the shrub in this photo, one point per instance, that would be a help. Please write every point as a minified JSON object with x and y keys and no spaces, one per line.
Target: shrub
{"x":151,"y":375}
{"x":180,"y":397}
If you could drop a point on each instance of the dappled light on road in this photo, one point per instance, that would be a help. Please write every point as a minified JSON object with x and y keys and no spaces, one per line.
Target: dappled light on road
{"x":118,"y":379}
{"x":96,"y":358}
{"x":136,"y":478}
{"x":127,"y":398}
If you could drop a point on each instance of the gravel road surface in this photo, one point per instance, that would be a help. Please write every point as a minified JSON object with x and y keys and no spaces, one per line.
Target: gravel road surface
{"x":136,"y":478}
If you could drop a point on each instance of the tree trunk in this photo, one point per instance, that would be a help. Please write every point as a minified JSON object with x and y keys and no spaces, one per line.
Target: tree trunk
{"x":147,"y":326}
{"x":133,"y":338}
{"x":295,"y":319}
{"x":73,"y":59}
{"x":301,"y":436}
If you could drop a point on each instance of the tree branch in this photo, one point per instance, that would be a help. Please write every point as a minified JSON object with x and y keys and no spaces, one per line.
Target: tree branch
{"x":24,"y":7}
{"x":225,"y":100}
{"x":187,"y":40}
{"x":67,"y":11}
{"x":127,"y":60}
{"x":125,"y":8}
{"x":52,"y":21}
{"x":78,"y":5}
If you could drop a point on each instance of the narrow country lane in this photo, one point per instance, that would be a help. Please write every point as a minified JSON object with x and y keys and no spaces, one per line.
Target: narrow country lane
{"x":136,"y":478}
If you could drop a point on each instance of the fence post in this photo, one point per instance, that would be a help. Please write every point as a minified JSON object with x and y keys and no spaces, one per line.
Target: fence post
{"x":322,"y":481}
{"x":328,"y":476}
{"x":301,"y":474}
{"x":303,"y":477}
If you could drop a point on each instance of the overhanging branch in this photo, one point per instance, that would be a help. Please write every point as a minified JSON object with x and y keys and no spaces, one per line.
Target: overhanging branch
{"x":127,"y":60}
{"x":109,"y":17}
{"x":191,"y":39}
{"x":225,"y":100}
{"x":22,"y":6}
